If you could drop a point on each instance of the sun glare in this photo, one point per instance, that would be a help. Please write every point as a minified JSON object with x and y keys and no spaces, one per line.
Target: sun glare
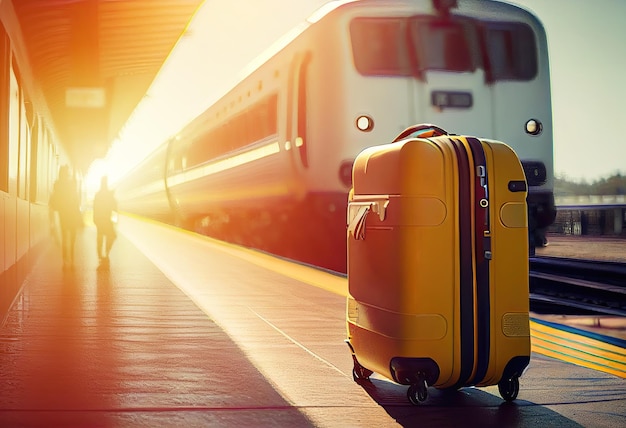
{"x":122,"y":157}
{"x":180,"y":91}
{"x":98,"y":169}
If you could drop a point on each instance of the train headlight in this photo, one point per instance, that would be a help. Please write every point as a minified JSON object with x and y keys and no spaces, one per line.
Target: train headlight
{"x":533,"y":127}
{"x":364,"y":123}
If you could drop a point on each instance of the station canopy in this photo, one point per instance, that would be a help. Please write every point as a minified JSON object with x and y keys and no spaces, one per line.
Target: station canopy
{"x":95,"y":60}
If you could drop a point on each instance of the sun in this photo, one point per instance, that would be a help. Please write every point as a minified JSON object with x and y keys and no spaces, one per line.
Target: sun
{"x":98,"y":169}
{"x":121,"y":159}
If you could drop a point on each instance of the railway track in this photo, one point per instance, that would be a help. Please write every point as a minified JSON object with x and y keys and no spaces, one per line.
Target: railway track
{"x":577,"y":287}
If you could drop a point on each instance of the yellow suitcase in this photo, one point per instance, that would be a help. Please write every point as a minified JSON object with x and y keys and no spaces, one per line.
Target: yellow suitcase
{"x":438,"y":263}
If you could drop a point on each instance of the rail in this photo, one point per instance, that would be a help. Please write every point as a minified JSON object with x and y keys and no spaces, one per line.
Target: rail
{"x":577,"y":287}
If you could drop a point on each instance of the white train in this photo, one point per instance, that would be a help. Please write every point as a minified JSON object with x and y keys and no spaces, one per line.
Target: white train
{"x":269,"y":164}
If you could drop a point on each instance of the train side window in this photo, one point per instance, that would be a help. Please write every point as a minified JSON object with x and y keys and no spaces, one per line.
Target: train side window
{"x":257,"y":122}
{"x":511,"y":51}
{"x":269,"y":116}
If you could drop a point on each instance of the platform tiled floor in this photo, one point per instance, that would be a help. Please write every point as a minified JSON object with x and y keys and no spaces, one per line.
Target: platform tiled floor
{"x":119,"y":345}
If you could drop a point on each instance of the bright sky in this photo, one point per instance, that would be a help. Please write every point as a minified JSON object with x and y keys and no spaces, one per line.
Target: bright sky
{"x":587,"y":45}
{"x":587,"y":58}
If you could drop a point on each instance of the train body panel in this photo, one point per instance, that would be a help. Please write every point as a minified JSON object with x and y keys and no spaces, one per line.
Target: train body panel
{"x":281,"y":143}
{"x":145,"y":193}
{"x":250,"y":158}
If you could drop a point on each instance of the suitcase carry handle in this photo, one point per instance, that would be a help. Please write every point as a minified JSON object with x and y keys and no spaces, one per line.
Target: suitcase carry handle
{"x":424,"y":130}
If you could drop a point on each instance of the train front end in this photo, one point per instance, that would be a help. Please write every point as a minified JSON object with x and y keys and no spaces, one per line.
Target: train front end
{"x":474,"y":68}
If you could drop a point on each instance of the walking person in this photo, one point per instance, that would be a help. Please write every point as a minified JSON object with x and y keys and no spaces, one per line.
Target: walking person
{"x":65,"y":201}
{"x":104,"y":205}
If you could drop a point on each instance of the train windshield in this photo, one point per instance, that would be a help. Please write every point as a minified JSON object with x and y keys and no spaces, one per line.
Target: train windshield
{"x":410,"y":46}
{"x":510,"y":51}
{"x":443,"y":45}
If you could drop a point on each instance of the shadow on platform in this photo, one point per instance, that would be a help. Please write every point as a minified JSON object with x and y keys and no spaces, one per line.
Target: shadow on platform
{"x":468,"y":407}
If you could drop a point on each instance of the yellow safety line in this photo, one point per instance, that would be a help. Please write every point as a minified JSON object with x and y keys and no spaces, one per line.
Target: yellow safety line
{"x":587,"y":342}
{"x":303,"y":273}
{"x":578,"y":349}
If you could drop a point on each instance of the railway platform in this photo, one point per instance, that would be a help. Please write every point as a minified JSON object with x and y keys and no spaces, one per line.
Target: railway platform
{"x":601,"y":248}
{"x":116,"y":344}
{"x":180,"y":330}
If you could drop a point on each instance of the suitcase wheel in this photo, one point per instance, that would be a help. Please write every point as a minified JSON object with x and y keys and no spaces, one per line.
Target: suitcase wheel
{"x":418,"y":392}
{"x":509,"y":388}
{"x":359,"y":372}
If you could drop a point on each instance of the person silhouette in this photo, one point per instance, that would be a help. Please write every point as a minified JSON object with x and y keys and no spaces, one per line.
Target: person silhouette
{"x":65,"y":201}
{"x":104,"y":205}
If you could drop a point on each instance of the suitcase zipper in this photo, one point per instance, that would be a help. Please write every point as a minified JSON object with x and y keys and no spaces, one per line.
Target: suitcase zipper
{"x":482,"y":240}
{"x":466,"y":263}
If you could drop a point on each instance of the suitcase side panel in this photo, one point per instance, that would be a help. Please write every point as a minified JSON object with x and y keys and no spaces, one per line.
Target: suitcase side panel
{"x":510,"y":338}
{"x":482,"y":253}
{"x":388,"y":315}
{"x":500,"y":306}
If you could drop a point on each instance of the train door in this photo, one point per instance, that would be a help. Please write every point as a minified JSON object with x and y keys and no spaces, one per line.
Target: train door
{"x":296,"y":126}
